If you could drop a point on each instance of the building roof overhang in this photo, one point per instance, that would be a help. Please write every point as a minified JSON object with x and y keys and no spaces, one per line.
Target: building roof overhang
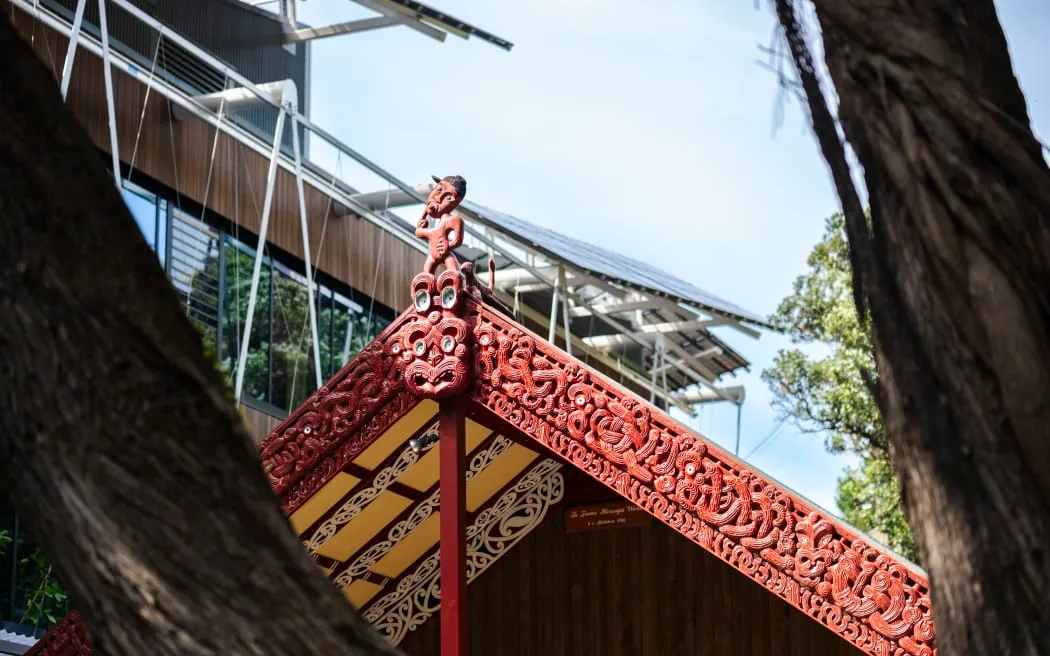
{"x":654,"y":330}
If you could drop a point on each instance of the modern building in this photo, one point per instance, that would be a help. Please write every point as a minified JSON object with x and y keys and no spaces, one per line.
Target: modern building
{"x":289,"y":272}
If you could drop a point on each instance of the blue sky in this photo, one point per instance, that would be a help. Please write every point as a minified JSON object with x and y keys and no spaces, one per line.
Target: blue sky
{"x":647,"y":128}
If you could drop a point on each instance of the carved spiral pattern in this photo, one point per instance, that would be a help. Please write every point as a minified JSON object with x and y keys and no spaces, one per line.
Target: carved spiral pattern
{"x":494,"y":532}
{"x":337,"y":422}
{"x":67,"y":638}
{"x":864,"y":594}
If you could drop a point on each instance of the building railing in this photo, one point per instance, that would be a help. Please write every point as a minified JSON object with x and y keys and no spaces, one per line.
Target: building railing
{"x":310,"y":172}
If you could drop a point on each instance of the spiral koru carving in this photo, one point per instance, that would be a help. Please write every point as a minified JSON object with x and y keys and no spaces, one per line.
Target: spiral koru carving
{"x":866,"y":595}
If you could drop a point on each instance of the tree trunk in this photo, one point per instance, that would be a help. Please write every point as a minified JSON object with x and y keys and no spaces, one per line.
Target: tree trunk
{"x":955,"y":270}
{"x":117,"y":443}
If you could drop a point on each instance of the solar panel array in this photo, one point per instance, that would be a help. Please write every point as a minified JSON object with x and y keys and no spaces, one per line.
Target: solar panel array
{"x":606,"y":264}
{"x":423,"y":11}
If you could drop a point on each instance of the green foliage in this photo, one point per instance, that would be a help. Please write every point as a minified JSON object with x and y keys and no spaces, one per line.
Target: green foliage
{"x":46,"y":602}
{"x":43,"y":600}
{"x":827,"y":393}
{"x":279,"y":368}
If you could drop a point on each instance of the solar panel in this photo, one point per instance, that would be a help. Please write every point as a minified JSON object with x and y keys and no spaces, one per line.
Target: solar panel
{"x":609,"y":265}
{"x":422,"y":11}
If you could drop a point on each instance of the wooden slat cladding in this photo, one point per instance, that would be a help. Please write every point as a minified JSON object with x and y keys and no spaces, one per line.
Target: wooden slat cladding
{"x":260,"y":424}
{"x":176,"y":154}
{"x":628,"y":592}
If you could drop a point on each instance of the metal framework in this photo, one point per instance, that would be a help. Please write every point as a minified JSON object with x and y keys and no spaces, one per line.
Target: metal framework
{"x":626,"y":316}
{"x":416,"y":16}
{"x":629,"y":318}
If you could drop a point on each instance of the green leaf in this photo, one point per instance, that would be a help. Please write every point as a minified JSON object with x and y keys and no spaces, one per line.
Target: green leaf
{"x":821,"y":388}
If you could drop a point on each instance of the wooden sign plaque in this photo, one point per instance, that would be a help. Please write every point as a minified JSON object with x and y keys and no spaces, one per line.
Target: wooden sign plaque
{"x":601,"y":516}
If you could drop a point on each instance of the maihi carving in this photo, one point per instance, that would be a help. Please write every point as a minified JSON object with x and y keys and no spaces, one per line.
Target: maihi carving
{"x":337,"y":422}
{"x":867,"y":596}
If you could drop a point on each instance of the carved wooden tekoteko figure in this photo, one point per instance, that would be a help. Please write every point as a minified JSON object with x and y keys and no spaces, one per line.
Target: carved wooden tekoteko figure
{"x":435,"y":346}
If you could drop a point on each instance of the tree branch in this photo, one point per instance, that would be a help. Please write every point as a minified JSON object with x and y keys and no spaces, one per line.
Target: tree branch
{"x":117,"y":443}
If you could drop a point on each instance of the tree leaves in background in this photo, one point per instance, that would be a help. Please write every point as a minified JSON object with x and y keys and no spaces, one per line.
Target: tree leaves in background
{"x":823,"y":388}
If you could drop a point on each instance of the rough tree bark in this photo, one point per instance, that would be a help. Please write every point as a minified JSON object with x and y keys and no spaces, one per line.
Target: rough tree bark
{"x":954,"y":270}
{"x":117,"y":443}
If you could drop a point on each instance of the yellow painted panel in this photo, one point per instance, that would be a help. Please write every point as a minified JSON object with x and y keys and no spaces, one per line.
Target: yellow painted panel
{"x":422,"y":475}
{"x":361,"y":592}
{"x":397,"y":435}
{"x":490,"y":479}
{"x":409,"y":549}
{"x":319,"y":503}
{"x":372,"y":519}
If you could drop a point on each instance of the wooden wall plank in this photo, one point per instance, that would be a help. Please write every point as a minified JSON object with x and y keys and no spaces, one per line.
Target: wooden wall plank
{"x":259,"y":423}
{"x":643,"y":591}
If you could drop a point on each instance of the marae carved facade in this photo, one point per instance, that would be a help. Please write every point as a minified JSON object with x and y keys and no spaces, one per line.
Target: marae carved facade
{"x":451,"y":342}
{"x":860,"y":591}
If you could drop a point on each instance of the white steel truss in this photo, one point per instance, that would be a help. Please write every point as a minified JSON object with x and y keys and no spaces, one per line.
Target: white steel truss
{"x":420,"y":18}
{"x":576,"y":294}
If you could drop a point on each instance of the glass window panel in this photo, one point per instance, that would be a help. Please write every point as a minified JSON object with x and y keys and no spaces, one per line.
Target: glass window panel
{"x":292,"y":376}
{"x":354,"y":329}
{"x":326,"y":330}
{"x":239,"y":261}
{"x":194,"y":273}
{"x":162,"y":232}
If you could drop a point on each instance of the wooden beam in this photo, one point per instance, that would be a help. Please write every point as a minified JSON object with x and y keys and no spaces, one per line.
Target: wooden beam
{"x":452,"y":429}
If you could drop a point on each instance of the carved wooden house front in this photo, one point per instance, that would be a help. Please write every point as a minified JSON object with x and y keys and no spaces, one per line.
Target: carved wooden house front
{"x":458,"y":434}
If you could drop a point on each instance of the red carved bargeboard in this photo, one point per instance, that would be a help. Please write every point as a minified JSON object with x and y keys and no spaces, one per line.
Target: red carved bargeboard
{"x":339,"y":421}
{"x":862,"y":592}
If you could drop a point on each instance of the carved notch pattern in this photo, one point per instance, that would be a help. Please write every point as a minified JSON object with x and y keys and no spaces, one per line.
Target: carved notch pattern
{"x":67,"y":638}
{"x":867,"y":596}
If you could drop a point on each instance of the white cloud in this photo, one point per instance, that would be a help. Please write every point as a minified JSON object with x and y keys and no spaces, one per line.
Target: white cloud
{"x":608,"y":118}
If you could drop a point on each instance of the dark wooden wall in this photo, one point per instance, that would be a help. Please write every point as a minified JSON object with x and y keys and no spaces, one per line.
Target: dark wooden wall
{"x":176,"y":154}
{"x":260,"y":424}
{"x":624,"y":592}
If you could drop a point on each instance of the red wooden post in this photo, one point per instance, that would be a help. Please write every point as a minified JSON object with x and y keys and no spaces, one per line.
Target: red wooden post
{"x":453,"y":529}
